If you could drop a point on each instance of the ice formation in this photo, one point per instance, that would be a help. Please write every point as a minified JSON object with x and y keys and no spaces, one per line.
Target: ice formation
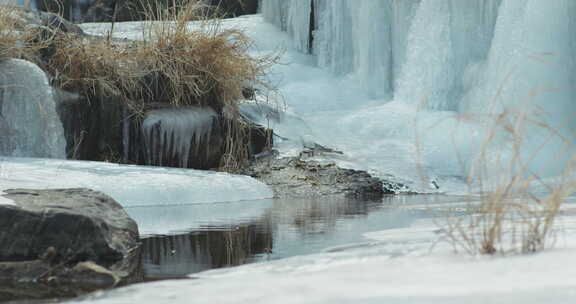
{"x":177,"y":132}
{"x":439,"y":75}
{"x":29,"y":123}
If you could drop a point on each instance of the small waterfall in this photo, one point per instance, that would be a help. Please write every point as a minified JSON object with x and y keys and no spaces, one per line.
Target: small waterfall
{"x":177,"y":134}
{"x":29,"y":124}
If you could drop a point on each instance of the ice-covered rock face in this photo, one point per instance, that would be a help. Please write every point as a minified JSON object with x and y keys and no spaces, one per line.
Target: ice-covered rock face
{"x":454,"y":67}
{"x":29,"y":124}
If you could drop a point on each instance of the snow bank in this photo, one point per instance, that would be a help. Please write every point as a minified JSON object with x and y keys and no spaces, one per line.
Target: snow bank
{"x":131,"y":185}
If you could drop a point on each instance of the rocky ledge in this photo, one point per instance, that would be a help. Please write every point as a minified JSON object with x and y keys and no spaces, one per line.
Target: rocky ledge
{"x":62,"y":243}
{"x":304,"y":176}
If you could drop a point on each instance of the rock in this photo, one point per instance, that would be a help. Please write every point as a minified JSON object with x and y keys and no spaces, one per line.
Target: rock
{"x":76,"y":225}
{"x":93,"y":125}
{"x":65,"y":242}
{"x":231,"y":9}
{"x":41,"y":280}
{"x":300,"y":177}
{"x":25,"y":271}
{"x":91,"y":275}
{"x":32,"y":19}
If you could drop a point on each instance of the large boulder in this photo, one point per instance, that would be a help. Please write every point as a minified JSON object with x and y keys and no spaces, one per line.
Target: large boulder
{"x":80,"y":225}
{"x":70,"y":239}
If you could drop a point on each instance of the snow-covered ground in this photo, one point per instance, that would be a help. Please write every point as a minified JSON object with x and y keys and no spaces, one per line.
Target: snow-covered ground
{"x":408,"y":265}
{"x":131,"y":185}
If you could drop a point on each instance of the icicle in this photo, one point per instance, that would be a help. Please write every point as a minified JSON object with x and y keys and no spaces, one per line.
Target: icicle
{"x":171,"y":133}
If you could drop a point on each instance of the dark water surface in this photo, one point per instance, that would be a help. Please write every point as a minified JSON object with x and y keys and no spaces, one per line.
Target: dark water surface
{"x":284,"y":228}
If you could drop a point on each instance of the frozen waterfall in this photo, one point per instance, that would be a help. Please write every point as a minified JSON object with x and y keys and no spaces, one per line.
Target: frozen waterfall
{"x":29,"y":124}
{"x":442,"y":76}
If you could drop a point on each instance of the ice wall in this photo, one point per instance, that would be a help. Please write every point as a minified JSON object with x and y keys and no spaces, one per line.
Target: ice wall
{"x":29,"y":124}
{"x":455,"y":61}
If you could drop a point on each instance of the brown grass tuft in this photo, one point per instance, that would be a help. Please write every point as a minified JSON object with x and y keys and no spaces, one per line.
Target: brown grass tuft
{"x":511,"y":218}
{"x":19,"y":39}
{"x":87,"y":66}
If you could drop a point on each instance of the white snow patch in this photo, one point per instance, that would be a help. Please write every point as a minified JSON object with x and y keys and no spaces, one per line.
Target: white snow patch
{"x":131,"y":185}
{"x":4,"y":200}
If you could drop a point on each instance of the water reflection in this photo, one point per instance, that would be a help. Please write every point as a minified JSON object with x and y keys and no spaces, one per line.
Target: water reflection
{"x":285,"y":228}
{"x":176,"y":256}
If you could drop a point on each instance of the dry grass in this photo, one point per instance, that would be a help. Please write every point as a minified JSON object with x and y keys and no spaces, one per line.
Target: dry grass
{"x":206,"y":65}
{"x":88,"y":67}
{"x":17,"y":38}
{"x":511,"y":218}
{"x":176,"y":63}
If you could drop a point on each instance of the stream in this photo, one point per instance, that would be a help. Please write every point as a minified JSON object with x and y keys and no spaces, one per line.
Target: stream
{"x":286,"y":228}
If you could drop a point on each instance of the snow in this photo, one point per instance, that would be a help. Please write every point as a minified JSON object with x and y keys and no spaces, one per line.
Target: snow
{"x":132,"y":185}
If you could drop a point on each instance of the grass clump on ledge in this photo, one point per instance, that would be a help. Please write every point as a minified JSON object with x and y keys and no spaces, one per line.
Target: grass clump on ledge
{"x":204,"y":64}
{"x":177,"y":63}
{"x":201,"y":64}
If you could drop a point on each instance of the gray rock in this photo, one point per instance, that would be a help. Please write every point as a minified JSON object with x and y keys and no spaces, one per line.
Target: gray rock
{"x":75,"y":225}
{"x":65,"y":242}
{"x":300,"y":177}
{"x":39,"y":279}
